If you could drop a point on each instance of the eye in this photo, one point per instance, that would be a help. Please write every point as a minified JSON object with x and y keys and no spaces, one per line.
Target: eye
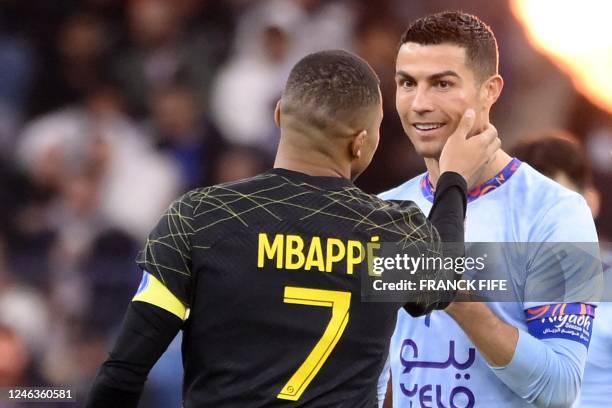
{"x":444,"y":84}
{"x":406,"y":83}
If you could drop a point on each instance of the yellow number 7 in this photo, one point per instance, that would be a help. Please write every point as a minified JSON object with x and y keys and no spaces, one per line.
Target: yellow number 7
{"x":340,"y":303}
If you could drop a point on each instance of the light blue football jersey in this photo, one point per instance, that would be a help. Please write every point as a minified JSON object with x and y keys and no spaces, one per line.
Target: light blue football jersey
{"x":433,"y":363}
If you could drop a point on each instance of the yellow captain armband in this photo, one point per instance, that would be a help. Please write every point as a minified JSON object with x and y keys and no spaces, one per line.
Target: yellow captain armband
{"x":152,"y":291}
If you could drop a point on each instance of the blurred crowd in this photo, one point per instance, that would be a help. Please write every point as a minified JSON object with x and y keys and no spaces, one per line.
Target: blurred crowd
{"x":109,"y":109}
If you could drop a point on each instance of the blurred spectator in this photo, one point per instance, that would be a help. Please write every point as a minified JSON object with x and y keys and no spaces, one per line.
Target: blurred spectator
{"x":311,"y":25}
{"x":103,"y":177}
{"x":22,"y":308}
{"x":26,"y":312}
{"x":595,"y":125}
{"x":16,"y":72}
{"x":102,"y":167}
{"x":560,"y":155}
{"x":74,"y":354}
{"x":16,"y":368}
{"x":271,"y":36}
{"x":240,"y":162}
{"x":160,"y":53}
{"x":247,"y":89}
{"x":28,"y":239}
{"x":112,"y":279}
{"x":209,"y":21}
{"x":185,"y":135}
{"x":599,"y":148}
{"x":14,"y":359}
{"x":76,"y":64}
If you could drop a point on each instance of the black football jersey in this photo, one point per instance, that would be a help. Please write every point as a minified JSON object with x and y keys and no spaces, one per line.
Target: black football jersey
{"x":270,"y":269}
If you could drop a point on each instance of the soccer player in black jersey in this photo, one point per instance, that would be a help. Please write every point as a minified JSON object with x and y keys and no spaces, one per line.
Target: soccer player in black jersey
{"x":263,"y":274}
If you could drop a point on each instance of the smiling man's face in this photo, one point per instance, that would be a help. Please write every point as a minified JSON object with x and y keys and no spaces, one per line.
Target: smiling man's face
{"x":435,"y":85}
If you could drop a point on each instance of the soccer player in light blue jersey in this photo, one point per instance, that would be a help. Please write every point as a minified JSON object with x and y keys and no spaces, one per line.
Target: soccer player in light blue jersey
{"x":495,"y":354}
{"x":560,"y":156}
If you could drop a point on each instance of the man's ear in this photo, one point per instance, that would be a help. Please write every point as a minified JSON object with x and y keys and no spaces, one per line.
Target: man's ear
{"x":492,"y":89}
{"x":277,"y":113}
{"x":357,"y":144}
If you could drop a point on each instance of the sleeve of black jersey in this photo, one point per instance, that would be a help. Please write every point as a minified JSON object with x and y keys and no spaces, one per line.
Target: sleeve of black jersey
{"x":447,"y":216}
{"x":450,"y":202}
{"x":167,"y":252}
{"x":146,"y":332}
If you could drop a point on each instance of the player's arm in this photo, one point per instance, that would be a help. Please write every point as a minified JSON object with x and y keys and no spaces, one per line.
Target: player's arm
{"x":156,"y":313}
{"x":447,"y":214}
{"x":545,"y":372}
{"x":495,"y":340}
{"x":447,"y":218}
{"x":543,"y":368}
{"x":146,"y":332}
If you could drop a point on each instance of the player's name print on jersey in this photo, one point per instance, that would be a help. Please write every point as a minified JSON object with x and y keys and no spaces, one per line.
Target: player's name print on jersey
{"x":291,"y":252}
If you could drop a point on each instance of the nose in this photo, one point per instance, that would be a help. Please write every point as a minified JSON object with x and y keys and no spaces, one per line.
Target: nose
{"x":421,"y":102}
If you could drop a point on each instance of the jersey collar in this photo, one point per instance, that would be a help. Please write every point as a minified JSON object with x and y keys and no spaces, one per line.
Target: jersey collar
{"x":317,"y":181}
{"x":478,"y":191}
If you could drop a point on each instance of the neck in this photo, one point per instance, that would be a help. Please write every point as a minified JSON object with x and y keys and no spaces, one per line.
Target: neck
{"x":308,"y":161}
{"x":500,"y":161}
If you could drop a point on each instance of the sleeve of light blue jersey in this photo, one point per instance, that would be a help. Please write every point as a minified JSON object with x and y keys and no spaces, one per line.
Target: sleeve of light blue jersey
{"x":547,"y":372}
{"x":548,"y":364}
{"x":564,"y":263}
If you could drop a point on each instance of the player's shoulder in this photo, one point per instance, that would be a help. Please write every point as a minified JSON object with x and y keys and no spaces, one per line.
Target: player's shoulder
{"x":554,"y":212}
{"x":400,"y":211}
{"x":243,"y":185}
{"x":405,"y":191}
{"x":226,"y":192}
{"x":394,"y":207}
{"x":542,"y":192}
{"x":401,"y":198}
{"x":203,"y":200}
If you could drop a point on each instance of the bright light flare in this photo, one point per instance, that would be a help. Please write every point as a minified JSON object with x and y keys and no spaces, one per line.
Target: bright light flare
{"x":577,"y":36}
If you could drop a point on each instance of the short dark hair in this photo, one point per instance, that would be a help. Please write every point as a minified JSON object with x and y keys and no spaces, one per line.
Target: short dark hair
{"x":554,"y":152}
{"x":330,"y":86}
{"x":462,"y":29}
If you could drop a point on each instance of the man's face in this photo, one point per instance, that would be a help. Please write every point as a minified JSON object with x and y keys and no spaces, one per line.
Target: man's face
{"x":375,"y":116}
{"x":434,"y":87}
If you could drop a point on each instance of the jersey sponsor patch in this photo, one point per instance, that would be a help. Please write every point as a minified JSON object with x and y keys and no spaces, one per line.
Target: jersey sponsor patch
{"x":152,"y":291}
{"x":572,"y":321}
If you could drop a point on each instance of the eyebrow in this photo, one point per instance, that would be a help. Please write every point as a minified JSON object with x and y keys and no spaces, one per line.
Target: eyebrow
{"x":433,"y":77}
